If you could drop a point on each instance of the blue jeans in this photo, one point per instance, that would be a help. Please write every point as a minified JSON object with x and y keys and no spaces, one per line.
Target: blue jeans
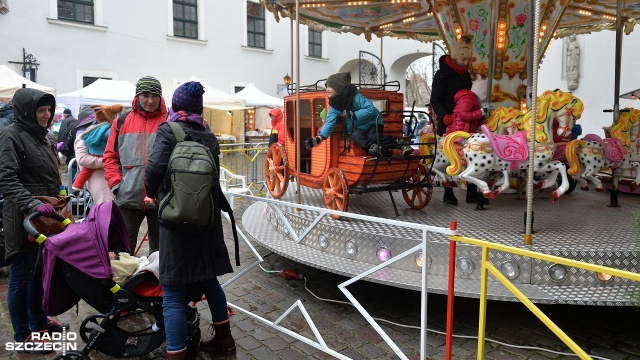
{"x":174,"y":299}
{"x":24,"y":295}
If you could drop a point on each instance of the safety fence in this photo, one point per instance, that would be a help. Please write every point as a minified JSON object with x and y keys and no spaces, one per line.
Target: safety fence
{"x":419,"y":247}
{"x":246,"y":159}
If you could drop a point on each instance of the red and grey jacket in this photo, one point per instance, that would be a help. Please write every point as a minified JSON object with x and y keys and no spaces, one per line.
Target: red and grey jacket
{"x":125,"y":158}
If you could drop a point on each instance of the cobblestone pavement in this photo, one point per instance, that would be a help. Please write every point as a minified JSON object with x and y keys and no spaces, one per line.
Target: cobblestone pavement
{"x":604,"y":332}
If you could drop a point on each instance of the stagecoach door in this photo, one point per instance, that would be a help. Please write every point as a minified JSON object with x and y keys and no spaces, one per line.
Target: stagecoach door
{"x":310,"y":123}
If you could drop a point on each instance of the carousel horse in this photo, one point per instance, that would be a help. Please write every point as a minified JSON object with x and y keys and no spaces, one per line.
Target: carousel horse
{"x":587,"y":156}
{"x":486,"y":152}
{"x":502,"y":121}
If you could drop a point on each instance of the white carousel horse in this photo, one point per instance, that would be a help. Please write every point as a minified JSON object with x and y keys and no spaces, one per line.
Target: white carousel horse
{"x":486,"y":152}
{"x":502,"y":121}
{"x":587,"y":156}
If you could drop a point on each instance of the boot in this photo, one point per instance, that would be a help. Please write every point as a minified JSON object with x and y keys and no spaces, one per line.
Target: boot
{"x":406,"y":148}
{"x":222,"y":341}
{"x":449,"y":197}
{"x":177,"y":355}
{"x":472,"y":193}
{"x":377,"y":150}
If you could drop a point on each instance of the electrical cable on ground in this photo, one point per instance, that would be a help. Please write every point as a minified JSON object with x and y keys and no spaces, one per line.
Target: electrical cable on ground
{"x":293,"y":275}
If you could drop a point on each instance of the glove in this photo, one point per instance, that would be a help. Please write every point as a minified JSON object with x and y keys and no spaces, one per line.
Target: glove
{"x":448,"y":120}
{"x":59,"y":146}
{"x":485,"y":112}
{"x":313,"y":141}
{"x":46,"y":210}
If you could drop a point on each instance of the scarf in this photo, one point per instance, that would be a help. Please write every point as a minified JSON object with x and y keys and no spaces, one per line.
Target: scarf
{"x":455,"y":67}
{"x":344,"y":100}
{"x":186,"y":117}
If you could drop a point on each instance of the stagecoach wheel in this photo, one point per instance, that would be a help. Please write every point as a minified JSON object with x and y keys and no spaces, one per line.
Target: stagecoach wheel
{"x":72,"y":355}
{"x":276,"y":171}
{"x":336,"y":193}
{"x":88,"y":324}
{"x":418,"y":198}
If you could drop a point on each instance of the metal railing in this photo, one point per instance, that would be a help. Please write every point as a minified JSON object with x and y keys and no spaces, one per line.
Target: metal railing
{"x":246,"y":159}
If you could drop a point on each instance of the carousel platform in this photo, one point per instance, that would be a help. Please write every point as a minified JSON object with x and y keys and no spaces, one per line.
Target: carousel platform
{"x":578,"y":226}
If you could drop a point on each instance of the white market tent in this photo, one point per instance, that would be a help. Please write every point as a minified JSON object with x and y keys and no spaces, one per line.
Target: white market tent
{"x":256,"y":98}
{"x":11,"y":81}
{"x":101,"y":92}
{"x":263,"y":104}
{"x":224,"y":112}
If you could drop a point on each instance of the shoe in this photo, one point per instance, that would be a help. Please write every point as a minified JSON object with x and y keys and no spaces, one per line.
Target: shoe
{"x":405,"y":147}
{"x":54,"y":326}
{"x":380,"y":151}
{"x":451,"y":200}
{"x":36,"y":346}
{"x":485,"y":201}
{"x":176,"y":355}
{"x":222,"y":341}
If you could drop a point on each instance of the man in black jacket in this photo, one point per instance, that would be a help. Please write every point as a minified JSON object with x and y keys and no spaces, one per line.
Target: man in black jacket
{"x":66,"y":128}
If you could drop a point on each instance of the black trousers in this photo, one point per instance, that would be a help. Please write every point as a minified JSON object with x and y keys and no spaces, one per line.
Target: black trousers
{"x":373,"y":135}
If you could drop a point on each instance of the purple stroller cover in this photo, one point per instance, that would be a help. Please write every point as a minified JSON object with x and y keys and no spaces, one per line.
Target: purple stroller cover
{"x":85,"y":246}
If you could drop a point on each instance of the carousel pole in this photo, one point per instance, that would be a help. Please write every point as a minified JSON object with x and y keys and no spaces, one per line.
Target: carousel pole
{"x":492,"y":50}
{"x":297,"y":77}
{"x":528,"y":237}
{"x":613,"y":196}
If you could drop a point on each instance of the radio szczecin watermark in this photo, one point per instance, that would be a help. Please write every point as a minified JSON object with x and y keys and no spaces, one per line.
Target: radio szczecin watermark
{"x":46,"y":341}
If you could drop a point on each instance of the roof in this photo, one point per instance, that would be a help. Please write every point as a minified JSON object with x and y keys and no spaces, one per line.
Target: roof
{"x":256,"y":98}
{"x":11,"y":81}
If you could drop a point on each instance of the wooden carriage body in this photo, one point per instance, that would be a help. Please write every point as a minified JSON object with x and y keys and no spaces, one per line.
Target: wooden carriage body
{"x":338,"y":151}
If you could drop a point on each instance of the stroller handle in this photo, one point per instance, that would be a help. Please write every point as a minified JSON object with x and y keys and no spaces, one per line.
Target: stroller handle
{"x":31,"y":230}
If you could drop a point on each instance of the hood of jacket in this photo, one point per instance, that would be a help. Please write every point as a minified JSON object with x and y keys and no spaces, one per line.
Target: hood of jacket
{"x":277,"y":116}
{"x":466,"y":95}
{"x":25,"y":104}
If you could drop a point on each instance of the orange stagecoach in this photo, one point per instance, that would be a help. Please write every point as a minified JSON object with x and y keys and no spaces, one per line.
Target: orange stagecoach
{"x":339,"y":166}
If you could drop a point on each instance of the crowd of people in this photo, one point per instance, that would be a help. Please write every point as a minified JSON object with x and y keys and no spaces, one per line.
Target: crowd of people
{"x":124,"y":157}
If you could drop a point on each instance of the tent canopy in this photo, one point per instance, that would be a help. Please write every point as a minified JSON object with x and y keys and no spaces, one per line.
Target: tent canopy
{"x":11,"y":81}
{"x":101,"y":92}
{"x":256,"y":98}
{"x":212,"y":98}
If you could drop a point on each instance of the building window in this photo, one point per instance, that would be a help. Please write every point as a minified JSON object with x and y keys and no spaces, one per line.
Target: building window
{"x":185,"y":18}
{"x":76,"y":10}
{"x":255,"y":25}
{"x":88,"y":80}
{"x":315,"y":43}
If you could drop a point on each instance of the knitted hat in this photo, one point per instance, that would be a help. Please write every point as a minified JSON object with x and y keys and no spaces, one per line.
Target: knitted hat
{"x":462,"y":49}
{"x":67,"y":111}
{"x":86,"y":115}
{"x":339,"y":81}
{"x":188,"y":97}
{"x":148,"y":84}
{"x":106,"y":114}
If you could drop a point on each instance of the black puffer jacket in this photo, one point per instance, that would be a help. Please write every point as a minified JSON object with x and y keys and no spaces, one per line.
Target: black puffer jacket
{"x":186,"y":258}
{"x":27,"y":167}
{"x":446,"y":83}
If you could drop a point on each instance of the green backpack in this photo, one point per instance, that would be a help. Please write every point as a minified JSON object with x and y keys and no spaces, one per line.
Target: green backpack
{"x":193,"y":176}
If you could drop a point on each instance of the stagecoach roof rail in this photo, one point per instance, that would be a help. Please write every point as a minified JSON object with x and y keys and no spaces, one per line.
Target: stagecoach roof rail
{"x":321,"y":85}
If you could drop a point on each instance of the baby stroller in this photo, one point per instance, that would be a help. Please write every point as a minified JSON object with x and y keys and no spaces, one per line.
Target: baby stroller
{"x":76,"y":266}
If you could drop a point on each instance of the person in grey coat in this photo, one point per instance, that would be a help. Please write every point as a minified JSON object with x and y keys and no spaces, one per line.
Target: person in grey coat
{"x":189,"y":260}
{"x":28,"y":167}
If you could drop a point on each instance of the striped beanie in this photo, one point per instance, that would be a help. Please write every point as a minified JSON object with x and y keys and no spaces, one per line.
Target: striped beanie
{"x":188,"y":97}
{"x":148,"y":84}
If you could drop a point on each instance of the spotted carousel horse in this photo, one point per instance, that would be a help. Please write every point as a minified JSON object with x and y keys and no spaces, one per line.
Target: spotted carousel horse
{"x":503,"y":120}
{"x":486,"y":152}
{"x":587,"y":156}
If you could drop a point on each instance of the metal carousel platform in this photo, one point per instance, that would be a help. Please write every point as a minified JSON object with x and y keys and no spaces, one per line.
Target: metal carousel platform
{"x":578,"y":226}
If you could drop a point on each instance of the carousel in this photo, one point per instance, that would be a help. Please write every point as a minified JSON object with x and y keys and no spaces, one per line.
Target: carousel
{"x":510,"y":38}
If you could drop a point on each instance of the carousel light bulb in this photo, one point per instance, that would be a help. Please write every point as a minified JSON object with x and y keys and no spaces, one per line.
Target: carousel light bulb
{"x":557,"y":272}
{"x":465,"y":266}
{"x":383,"y":254}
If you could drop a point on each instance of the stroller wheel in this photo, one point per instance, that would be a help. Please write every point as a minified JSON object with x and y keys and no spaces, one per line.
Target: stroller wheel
{"x":72,"y":355}
{"x":88,"y":325}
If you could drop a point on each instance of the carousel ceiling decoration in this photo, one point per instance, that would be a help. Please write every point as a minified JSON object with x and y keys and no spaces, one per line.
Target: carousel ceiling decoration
{"x":447,"y":20}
